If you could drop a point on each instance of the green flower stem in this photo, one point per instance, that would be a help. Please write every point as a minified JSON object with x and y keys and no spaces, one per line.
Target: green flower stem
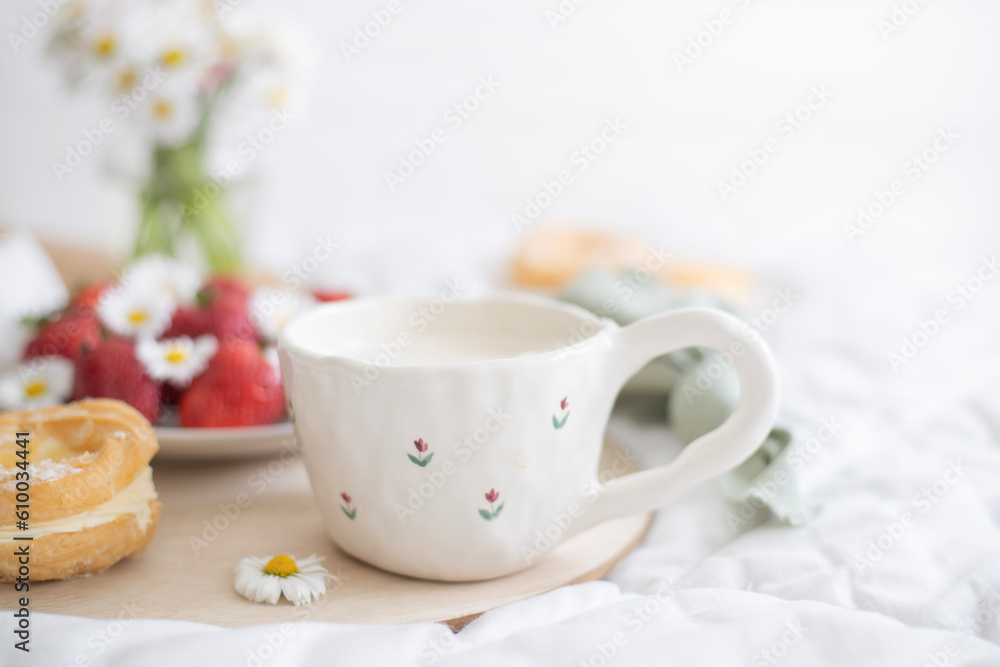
{"x":153,"y":237}
{"x":182,"y":200}
{"x":215,"y":232}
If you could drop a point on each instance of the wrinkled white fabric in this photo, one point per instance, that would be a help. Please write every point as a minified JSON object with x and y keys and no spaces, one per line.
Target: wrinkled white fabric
{"x":859,"y":585}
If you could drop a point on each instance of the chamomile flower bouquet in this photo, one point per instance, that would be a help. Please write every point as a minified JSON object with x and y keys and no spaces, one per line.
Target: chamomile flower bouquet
{"x":183,"y":71}
{"x":181,"y":347}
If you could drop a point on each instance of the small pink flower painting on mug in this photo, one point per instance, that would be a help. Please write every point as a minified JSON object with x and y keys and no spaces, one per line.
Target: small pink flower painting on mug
{"x":557,"y":422}
{"x":420,"y":459}
{"x":349,"y":509}
{"x":491,"y":513}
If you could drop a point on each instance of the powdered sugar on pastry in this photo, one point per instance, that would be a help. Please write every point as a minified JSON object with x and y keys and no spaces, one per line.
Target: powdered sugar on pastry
{"x":43,"y":471}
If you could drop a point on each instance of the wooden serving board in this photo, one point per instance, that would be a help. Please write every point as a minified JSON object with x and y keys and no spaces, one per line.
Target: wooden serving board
{"x":187,"y":572}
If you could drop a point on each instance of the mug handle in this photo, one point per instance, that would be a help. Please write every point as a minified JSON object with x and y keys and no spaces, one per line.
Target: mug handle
{"x":730,"y":444}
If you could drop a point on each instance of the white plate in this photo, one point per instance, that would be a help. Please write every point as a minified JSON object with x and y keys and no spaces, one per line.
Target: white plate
{"x":224,"y":443}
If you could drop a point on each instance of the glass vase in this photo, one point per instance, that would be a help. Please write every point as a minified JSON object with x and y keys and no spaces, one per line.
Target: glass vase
{"x":182,"y":206}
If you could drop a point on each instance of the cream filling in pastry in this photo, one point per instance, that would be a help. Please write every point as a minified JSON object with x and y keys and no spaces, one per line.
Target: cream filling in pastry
{"x":133,"y":499}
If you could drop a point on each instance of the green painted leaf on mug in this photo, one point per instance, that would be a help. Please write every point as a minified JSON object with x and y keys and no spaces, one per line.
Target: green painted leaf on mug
{"x":486,"y":515}
{"x":421,"y":462}
{"x":496,"y":513}
{"x":350,"y":514}
{"x":559,"y":424}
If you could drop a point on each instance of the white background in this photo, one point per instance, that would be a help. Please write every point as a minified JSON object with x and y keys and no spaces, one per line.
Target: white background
{"x":686,"y":131}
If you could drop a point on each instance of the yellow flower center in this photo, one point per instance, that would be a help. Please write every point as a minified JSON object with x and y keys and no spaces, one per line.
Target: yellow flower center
{"x":126,"y":78}
{"x":35,"y":388}
{"x":176,"y":356}
{"x":281,"y":566}
{"x":173,"y":57}
{"x":162,"y":109}
{"x":277,"y":97}
{"x":227,"y":46}
{"x":105,"y":45}
{"x":138,"y":317}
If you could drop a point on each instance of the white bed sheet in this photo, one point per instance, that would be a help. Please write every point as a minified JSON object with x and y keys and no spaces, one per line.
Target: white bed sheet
{"x":698,"y":593}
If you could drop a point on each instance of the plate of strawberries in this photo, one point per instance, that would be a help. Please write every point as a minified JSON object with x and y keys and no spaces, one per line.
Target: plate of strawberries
{"x":194,"y":354}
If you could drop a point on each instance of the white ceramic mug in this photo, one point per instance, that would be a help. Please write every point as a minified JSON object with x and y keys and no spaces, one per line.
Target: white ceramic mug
{"x":441,"y":437}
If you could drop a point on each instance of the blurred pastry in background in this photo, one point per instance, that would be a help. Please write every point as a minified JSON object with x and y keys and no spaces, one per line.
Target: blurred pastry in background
{"x":553,"y":258}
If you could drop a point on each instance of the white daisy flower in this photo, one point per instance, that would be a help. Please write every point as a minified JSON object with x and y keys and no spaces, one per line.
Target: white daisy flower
{"x":172,"y":112}
{"x":176,"y":36}
{"x":124,"y":76}
{"x":40,"y":382}
{"x":259,"y":36}
{"x":275,"y":53}
{"x":87,"y":41}
{"x":165,"y":275}
{"x":272,"y":309}
{"x":101,"y":41}
{"x":266,"y":579}
{"x":176,"y":360}
{"x":136,"y":312}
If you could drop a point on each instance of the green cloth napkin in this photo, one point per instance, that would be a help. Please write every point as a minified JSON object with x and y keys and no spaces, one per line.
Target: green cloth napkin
{"x":765,"y":480}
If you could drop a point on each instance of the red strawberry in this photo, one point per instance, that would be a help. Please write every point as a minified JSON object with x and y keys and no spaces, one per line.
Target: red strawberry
{"x":221,"y":311}
{"x":239,"y":388}
{"x":90,"y":296}
{"x":227,"y":287}
{"x":66,"y":336}
{"x":228,"y":319}
{"x":188,"y":321}
{"x":330,"y":295}
{"x":111,"y":370}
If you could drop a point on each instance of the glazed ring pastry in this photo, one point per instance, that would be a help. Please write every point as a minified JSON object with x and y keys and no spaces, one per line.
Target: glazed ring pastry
{"x":91,"y":496}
